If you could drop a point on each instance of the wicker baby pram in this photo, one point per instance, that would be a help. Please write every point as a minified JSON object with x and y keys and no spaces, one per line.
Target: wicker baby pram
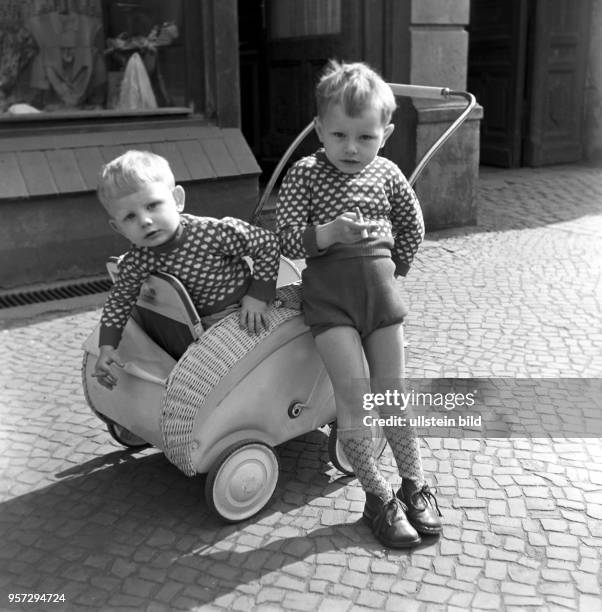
{"x":225,"y":404}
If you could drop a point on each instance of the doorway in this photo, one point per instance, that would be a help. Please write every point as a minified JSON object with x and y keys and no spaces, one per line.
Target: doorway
{"x":284,"y":44}
{"x":526,"y":66}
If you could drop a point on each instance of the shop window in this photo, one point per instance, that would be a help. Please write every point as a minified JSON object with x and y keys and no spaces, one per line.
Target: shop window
{"x":92,"y":57}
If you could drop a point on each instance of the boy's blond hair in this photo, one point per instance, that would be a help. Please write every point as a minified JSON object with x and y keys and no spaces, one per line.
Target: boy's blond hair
{"x":355,"y":87}
{"x":129,"y":172}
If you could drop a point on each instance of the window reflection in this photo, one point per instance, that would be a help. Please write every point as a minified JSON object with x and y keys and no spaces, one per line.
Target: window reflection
{"x":74,"y":55}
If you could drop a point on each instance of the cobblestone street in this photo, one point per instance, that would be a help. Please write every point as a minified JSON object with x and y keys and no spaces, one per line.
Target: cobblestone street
{"x":517,"y":296}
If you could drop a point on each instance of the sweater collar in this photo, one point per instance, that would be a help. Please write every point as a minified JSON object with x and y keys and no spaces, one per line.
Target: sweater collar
{"x":322,"y":157}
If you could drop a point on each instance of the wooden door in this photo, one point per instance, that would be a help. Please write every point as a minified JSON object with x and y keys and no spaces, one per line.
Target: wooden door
{"x":496,"y":76}
{"x":301,"y":36}
{"x":557,"y":78}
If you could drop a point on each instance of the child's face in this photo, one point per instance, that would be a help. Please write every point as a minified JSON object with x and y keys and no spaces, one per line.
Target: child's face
{"x":148,"y":217}
{"x":351,"y":143}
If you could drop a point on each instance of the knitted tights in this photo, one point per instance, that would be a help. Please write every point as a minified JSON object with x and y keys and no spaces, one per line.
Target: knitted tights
{"x":360,"y":454}
{"x":406,"y":450}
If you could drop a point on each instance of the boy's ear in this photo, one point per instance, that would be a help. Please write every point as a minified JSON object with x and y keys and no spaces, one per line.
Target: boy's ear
{"x":115,"y":227}
{"x":180,"y":197}
{"x":388,"y":131}
{"x":318,"y":128}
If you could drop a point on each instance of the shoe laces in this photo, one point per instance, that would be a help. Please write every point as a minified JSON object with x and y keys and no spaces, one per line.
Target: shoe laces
{"x":390,"y":511}
{"x":427,"y":495}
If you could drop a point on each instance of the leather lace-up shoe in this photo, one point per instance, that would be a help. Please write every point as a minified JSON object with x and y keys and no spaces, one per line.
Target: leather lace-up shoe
{"x":389,"y":523}
{"x":420,"y":511}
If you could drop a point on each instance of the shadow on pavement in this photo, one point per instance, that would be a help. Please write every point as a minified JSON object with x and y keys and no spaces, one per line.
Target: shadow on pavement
{"x":224,"y":571}
{"x":528,"y":198}
{"x":537,"y":197}
{"x":129,"y":518}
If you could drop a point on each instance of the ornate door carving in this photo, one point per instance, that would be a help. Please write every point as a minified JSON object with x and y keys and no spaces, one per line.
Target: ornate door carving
{"x":527,"y":70}
{"x":555,"y":120}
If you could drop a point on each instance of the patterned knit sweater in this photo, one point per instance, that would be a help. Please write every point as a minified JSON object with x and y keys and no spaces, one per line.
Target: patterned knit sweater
{"x":206,"y":257}
{"x":315,"y":192}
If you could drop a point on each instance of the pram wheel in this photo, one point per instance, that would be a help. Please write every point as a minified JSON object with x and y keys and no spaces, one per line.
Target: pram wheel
{"x":125,"y":436}
{"x":337,"y":455}
{"x":242,"y":480}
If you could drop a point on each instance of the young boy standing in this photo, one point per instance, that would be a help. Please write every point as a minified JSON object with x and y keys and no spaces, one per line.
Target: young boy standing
{"x":145,"y":205}
{"x":356,"y":220}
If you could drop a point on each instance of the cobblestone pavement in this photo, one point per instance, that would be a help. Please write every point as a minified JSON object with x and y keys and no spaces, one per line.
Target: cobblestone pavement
{"x":518,"y":296}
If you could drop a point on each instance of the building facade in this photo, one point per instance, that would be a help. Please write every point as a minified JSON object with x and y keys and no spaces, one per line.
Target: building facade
{"x":221,"y":88}
{"x":82,"y":81}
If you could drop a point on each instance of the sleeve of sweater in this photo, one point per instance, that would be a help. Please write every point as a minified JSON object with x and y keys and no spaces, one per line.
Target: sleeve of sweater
{"x":297,"y":236}
{"x":239,"y":239}
{"x":407,"y":222}
{"x":133,"y":270}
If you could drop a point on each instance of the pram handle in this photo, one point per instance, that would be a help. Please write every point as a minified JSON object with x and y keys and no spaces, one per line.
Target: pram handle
{"x":419,"y":91}
{"x":414,"y":91}
{"x":447,"y":93}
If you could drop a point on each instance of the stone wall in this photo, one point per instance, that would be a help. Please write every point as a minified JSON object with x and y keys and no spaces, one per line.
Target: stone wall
{"x":47,"y":239}
{"x":429,"y":39}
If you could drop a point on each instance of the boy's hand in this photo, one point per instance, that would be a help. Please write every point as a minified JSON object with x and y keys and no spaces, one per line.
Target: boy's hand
{"x":345,"y":228}
{"x":103,"y":372}
{"x":252,"y":314}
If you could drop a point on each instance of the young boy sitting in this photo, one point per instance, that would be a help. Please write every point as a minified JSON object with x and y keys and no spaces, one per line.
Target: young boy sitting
{"x":144,"y":204}
{"x":354,"y":217}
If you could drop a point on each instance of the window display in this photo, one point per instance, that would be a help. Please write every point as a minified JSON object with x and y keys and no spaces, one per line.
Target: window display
{"x":91,"y":55}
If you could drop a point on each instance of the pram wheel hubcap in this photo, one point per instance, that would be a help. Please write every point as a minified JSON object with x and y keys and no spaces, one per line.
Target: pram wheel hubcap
{"x":242,"y":480}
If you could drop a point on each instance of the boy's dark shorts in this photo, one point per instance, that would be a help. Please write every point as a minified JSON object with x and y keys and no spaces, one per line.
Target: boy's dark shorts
{"x":360,"y":292}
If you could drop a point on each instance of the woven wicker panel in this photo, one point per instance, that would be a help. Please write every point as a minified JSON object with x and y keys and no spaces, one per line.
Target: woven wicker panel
{"x":203,"y":365}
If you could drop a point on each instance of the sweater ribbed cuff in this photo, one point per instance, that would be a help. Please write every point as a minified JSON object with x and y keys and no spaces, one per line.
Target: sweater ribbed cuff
{"x":262,"y":290}
{"x":109,"y":336}
{"x":401,"y":268}
{"x":310,"y":242}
